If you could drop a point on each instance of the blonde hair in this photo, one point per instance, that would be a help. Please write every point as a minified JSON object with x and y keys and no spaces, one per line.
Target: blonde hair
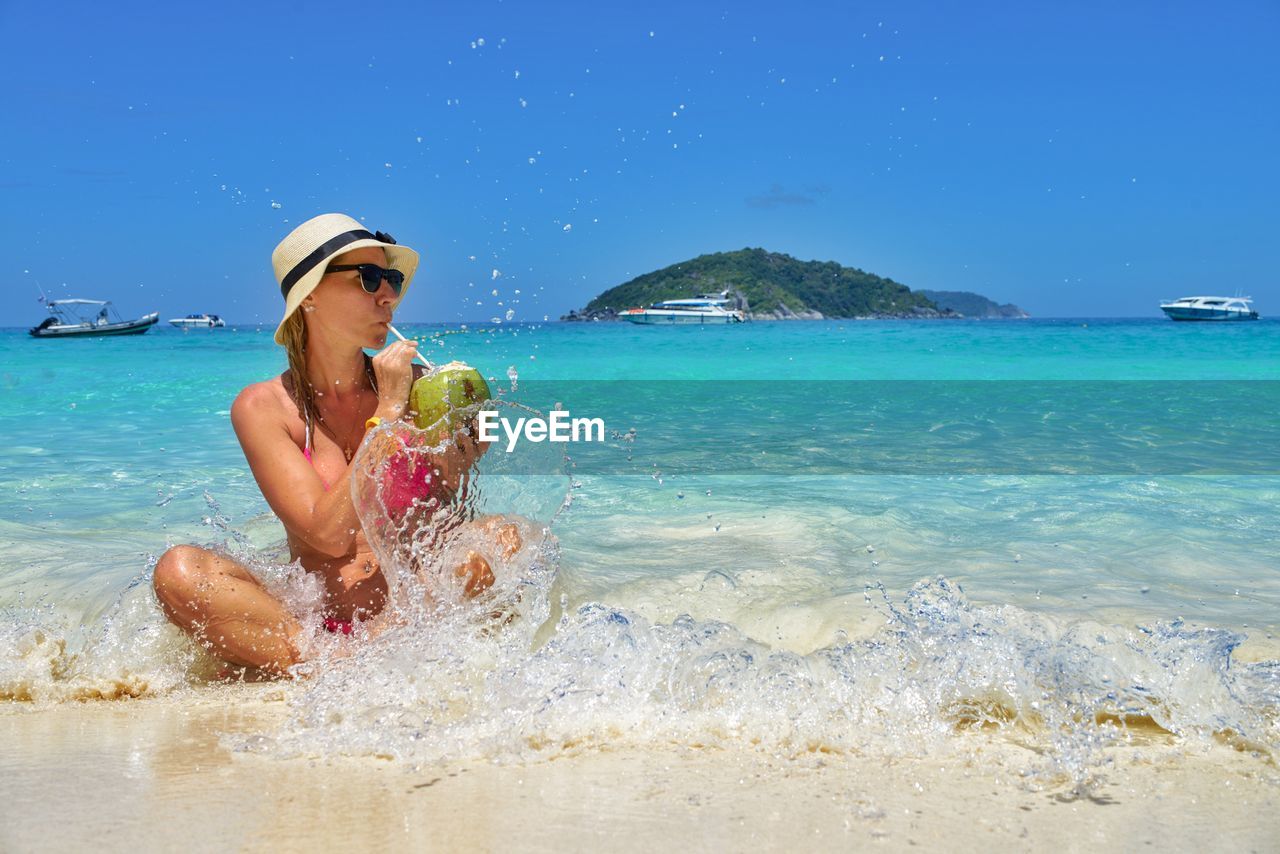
{"x":294,"y":333}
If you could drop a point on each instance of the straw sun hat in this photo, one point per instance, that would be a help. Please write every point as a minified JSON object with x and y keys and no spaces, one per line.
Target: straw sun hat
{"x":301,"y":258}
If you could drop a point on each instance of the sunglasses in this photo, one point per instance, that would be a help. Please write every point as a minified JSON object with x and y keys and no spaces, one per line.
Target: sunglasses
{"x":371,"y":276}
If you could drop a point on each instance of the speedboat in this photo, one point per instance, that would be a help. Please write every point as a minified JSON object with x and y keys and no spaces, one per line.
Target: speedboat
{"x":1210,"y":308}
{"x":707,"y":308}
{"x":197,"y":321}
{"x":71,"y":318}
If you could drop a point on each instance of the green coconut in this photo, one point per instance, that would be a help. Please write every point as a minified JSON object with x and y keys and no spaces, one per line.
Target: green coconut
{"x":453,"y":391}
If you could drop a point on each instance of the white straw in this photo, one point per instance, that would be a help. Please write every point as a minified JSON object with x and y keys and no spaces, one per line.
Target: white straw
{"x":421,"y":358}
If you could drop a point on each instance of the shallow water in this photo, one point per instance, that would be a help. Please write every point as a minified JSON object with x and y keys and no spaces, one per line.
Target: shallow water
{"x":858,"y":536}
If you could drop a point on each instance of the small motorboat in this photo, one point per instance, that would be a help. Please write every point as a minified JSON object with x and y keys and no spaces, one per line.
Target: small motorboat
{"x":72,"y":318}
{"x":1210,"y":308}
{"x":197,"y":321}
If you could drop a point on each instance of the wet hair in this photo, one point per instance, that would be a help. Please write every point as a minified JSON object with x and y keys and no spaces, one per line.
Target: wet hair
{"x":294,"y":333}
{"x":298,"y":386}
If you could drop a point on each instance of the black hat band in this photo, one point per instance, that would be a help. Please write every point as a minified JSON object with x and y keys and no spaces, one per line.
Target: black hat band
{"x":330,"y":246}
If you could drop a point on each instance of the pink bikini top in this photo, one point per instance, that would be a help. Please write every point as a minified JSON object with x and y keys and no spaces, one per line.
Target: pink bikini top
{"x":402,"y":483}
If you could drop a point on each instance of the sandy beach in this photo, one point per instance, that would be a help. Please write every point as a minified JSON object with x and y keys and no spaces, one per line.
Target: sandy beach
{"x":157,"y":773}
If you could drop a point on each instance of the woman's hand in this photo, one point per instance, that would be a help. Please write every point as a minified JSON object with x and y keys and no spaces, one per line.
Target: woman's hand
{"x":393,"y":368}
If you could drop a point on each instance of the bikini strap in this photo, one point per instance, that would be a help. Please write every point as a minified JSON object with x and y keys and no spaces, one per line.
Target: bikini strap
{"x":368,"y":372}
{"x":306,"y":413}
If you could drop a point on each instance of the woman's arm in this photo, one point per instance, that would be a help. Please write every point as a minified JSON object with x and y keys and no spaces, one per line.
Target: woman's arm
{"x":288,"y":481}
{"x":325,"y":520}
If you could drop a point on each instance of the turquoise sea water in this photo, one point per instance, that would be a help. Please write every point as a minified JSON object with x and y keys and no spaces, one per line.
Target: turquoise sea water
{"x":995,"y":504}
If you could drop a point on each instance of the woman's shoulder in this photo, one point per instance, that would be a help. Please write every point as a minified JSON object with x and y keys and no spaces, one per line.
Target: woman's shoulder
{"x":263,"y":399}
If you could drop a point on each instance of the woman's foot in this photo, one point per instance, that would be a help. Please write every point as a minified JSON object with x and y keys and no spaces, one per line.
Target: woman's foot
{"x":476,"y":574}
{"x":505,"y":534}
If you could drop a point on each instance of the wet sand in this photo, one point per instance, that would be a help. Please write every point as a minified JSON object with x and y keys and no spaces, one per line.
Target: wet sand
{"x":152,"y":773}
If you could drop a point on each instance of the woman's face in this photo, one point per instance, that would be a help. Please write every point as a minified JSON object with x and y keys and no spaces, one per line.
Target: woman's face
{"x":344,"y":312}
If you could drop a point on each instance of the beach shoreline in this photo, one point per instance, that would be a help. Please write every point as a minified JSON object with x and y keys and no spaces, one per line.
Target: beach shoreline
{"x":158,"y":772}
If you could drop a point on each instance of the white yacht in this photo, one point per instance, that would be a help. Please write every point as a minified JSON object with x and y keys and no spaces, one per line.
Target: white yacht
{"x":706,"y":308}
{"x":1210,"y":308}
{"x":197,"y":321}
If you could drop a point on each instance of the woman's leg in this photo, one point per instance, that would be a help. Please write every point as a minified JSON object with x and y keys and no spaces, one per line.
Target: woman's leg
{"x":219,"y":603}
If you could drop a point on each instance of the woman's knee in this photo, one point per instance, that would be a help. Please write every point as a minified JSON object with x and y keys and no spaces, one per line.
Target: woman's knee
{"x":177,"y":572}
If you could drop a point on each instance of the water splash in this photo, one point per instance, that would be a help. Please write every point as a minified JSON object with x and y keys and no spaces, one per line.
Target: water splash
{"x":520,"y":672}
{"x":489,"y":679}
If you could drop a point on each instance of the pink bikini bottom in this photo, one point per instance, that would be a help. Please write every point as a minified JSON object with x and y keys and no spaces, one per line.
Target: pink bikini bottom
{"x":337,"y":627}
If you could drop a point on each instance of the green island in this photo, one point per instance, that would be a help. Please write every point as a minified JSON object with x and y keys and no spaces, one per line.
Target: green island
{"x":773,"y":286}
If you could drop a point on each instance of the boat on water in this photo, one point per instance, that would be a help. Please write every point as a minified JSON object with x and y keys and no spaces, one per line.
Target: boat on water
{"x":706,"y":308}
{"x":1210,"y":308}
{"x":197,"y":321}
{"x":82,"y":318}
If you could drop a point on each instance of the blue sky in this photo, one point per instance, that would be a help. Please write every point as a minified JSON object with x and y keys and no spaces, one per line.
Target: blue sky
{"x":1073,"y":158}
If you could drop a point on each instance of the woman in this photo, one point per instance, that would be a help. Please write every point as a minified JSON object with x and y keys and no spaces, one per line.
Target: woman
{"x":299,"y":432}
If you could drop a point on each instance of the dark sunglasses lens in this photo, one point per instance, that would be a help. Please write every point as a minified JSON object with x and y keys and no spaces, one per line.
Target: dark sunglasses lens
{"x":395,"y":279}
{"x":371,"y":276}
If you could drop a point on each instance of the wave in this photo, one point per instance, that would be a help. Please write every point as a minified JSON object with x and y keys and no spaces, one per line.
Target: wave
{"x":522,"y":673}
